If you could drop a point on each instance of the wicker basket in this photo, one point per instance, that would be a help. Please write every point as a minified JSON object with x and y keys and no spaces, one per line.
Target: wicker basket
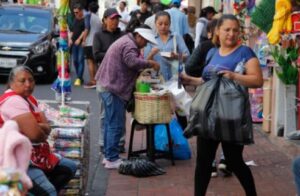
{"x":152,"y":108}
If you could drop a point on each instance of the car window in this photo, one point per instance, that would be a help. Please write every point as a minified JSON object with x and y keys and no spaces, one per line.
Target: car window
{"x":25,"y":21}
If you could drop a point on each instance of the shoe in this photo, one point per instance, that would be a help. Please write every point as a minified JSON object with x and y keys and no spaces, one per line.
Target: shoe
{"x":224,"y":168}
{"x":214,"y":172}
{"x":104,"y":161}
{"x":90,"y":85}
{"x":122,"y":149}
{"x":113,"y":164}
{"x":77,"y":82}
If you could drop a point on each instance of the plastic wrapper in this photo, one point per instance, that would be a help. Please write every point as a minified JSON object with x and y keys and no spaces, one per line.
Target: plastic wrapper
{"x":64,"y":143}
{"x":182,"y":99}
{"x":70,"y":152}
{"x":66,"y":133}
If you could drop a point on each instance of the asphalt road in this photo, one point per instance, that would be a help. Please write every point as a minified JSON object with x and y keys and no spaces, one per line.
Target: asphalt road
{"x":97,"y":178}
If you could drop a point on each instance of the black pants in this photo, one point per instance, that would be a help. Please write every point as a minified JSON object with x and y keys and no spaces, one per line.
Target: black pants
{"x":206,"y":151}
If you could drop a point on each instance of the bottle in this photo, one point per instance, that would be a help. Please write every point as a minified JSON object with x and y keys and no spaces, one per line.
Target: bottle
{"x":240,"y":67}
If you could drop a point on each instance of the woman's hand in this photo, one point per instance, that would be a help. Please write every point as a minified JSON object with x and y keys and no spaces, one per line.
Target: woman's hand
{"x":190,"y":80}
{"x":154,"y":65}
{"x":228,"y":74}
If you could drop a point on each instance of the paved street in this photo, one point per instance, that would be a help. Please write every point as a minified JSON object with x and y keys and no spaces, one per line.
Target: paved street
{"x":271,"y":154}
{"x":272,"y":174}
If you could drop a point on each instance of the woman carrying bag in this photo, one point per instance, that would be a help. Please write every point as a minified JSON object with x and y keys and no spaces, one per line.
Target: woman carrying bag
{"x":227,"y":61}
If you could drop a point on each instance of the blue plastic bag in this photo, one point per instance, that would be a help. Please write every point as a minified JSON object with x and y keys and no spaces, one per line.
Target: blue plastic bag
{"x":181,"y":148}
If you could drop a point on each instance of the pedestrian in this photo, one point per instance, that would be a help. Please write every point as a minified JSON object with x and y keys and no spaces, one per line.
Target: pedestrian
{"x":206,"y":14}
{"x":225,"y":59}
{"x":142,"y":14}
{"x":150,"y":21}
{"x":19,"y":105}
{"x":125,"y":17}
{"x":76,"y":41}
{"x":179,"y":22}
{"x":107,"y":35}
{"x":296,"y":172}
{"x":116,"y":77}
{"x":189,"y":38}
{"x":92,"y":25}
{"x":168,"y":43}
{"x":194,"y":67}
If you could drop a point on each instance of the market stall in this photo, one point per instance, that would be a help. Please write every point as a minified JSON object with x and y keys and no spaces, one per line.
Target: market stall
{"x":70,"y":138}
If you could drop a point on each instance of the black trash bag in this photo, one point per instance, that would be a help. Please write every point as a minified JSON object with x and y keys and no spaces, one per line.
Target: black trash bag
{"x":221,"y":111}
{"x":139,"y":167}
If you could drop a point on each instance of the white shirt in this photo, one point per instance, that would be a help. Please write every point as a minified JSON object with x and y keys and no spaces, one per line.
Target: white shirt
{"x":125,"y":17}
{"x":199,"y":30}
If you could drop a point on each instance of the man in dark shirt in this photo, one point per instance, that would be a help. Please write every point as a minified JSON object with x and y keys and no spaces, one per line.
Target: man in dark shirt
{"x":107,"y":35}
{"x":75,"y":41}
{"x":142,"y":14}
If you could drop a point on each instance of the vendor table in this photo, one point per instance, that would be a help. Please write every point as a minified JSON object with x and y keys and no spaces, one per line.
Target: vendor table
{"x":72,"y":141}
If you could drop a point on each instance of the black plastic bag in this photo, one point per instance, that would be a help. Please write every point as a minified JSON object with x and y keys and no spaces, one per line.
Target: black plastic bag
{"x":221,"y":111}
{"x":140,"y":167}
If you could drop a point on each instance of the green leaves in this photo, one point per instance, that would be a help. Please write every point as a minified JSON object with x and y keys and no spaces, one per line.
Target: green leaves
{"x":286,"y":59}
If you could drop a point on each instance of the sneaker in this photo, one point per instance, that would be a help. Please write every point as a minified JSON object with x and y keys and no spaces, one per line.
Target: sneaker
{"x":77,"y":82}
{"x":90,"y":85}
{"x":113,"y":164}
{"x":104,"y":161}
{"x":224,"y":168}
{"x":214,"y":172}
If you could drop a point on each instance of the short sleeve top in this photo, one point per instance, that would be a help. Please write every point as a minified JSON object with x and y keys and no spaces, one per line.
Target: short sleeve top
{"x":15,"y":106}
{"x":230,"y":62}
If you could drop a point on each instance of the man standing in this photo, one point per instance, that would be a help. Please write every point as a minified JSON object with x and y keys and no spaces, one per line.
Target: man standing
{"x":92,"y":25}
{"x":142,"y":14}
{"x":75,"y":41}
{"x":103,"y":39}
{"x":179,"y":22}
{"x":125,"y":17}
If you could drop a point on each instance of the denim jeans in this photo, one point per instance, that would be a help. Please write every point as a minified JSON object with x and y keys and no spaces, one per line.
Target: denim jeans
{"x":52,"y":182}
{"x":78,"y":60}
{"x":102,"y":116}
{"x":296,"y":172}
{"x":114,"y":122}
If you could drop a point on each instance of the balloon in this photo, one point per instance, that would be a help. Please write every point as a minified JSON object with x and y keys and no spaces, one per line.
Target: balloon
{"x":165,"y":2}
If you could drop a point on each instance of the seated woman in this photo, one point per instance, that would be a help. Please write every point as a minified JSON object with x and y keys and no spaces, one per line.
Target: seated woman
{"x":17,"y":103}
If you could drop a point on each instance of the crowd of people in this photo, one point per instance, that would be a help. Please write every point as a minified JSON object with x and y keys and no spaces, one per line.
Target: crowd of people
{"x":117,"y":48}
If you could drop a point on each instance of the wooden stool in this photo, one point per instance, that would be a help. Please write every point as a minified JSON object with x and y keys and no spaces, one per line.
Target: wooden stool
{"x":150,"y":150}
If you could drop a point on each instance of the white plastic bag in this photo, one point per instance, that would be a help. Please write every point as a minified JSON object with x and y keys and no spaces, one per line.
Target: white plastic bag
{"x":182,"y":99}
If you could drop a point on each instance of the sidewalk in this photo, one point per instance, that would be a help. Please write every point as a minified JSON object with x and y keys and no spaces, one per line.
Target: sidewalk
{"x":272,"y":174}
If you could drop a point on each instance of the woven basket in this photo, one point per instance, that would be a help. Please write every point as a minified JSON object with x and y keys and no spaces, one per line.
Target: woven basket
{"x":152,"y":108}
